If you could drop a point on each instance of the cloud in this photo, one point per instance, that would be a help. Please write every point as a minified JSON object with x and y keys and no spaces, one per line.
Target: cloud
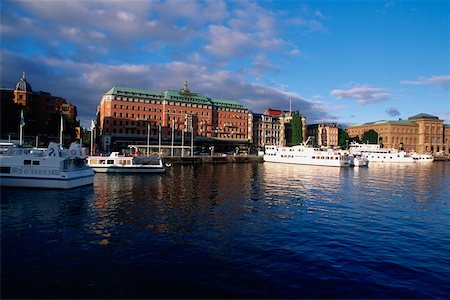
{"x":83,"y":84}
{"x":364,"y":95}
{"x":393,"y":112}
{"x":442,"y":81}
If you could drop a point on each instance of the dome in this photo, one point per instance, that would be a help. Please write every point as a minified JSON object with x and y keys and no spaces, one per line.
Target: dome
{"x":23,"y":85}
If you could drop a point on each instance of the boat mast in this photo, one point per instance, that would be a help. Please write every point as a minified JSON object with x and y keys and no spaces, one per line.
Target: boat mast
{"x":61,"y":132}
{"x":22,"y":123}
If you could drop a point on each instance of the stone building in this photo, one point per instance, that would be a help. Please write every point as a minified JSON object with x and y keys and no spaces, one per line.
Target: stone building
{"x":422,"y":133}
{"x":273,"y":127}
{"x":323,"y":134}
{"x":125,"y":114}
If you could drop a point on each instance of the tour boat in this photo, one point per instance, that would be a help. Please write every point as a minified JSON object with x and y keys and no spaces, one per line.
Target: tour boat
{"x":374,"y":153}
{"x":305,"y":155}
{"x":116,"y":163}
{"x":358,"y":160}
{"x":53,"y":167}
{"x":422,"y":157}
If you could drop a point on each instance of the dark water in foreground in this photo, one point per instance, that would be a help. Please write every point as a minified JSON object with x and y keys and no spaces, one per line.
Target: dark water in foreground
{"x":233,"y":230}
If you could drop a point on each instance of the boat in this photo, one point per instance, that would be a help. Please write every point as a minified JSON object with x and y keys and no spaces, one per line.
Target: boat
{"x":53,"y":167}
{"x":358,"y":160}
{"x":374,"y":153}
{"x":305,"y":155}
{"x":422,"y":157}
{"x":117,"y":163}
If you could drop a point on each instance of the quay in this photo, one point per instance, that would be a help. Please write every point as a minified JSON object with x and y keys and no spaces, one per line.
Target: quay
{"x":214,"y":159}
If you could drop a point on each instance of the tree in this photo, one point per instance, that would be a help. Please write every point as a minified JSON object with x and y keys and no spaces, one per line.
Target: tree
{"x":370,"y":137}
{"x":344,"y":138}
{"x":296,"y":128}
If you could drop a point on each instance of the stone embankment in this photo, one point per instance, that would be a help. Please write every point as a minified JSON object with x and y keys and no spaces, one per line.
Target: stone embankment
{"x":213,"y":159}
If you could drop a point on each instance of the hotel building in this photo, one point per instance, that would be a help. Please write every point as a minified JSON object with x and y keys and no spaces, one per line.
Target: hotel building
{"x":125,"y":116}
{"x":421,"y":133}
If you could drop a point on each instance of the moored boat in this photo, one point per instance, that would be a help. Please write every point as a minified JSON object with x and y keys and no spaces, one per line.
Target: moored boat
{"x":305,"y":155}
{"x":422,"y":157}
{"x":116,"y":163}
{"x":53,"y":167}
{"x":374,"y":153}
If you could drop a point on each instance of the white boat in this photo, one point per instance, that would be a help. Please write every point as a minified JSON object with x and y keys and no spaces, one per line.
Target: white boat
{"x":53,"y":167}
{"x":374,"y":153}
{"x":305,"y":155}
{"x":358,"y":160}
{"x":116,"y":163}
{"x":422,"y":157}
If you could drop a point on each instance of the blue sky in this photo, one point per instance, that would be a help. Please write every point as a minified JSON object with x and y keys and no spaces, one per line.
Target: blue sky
{"x":341,"y":61}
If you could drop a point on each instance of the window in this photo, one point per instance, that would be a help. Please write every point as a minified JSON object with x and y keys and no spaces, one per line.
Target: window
{"x":27,"y":162}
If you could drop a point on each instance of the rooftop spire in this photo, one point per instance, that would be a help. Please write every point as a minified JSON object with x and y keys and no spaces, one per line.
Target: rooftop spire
{"x":185,"y":88}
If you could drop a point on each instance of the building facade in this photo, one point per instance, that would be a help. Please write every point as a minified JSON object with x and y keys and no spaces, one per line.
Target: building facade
{"x":323,"y":134}
{"x":132,"y":116}
{"x":422,"y":133}
{"x":273,"y":127}
{"x":42,"y":114}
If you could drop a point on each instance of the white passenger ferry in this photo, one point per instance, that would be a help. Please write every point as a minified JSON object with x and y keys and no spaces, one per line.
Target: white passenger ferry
{"x":374,"y":153}
{"x":53,"y":167}
{"x":422,"y":157}
{"x":358,"y":160}
{"x":116,"y":163}
{"x":305,"y":155}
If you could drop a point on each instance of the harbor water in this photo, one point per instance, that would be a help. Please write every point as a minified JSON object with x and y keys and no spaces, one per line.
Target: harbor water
{"x":244,"y":230}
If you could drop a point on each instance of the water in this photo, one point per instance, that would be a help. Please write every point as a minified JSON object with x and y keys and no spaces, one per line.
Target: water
{"x":233,"y":230}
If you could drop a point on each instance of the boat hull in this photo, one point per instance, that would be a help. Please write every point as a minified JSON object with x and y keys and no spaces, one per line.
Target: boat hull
{"x":306,"y":161}
{"x":128,"y":169}
{"x":51,"y":182}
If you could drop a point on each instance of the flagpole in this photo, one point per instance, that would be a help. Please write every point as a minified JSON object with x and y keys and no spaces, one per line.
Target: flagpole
{"x":148,"y":139}
{"x":22,"y":123}
{"x":61,"y":131}
{"x":159,"y":141}
{"x":173,"y":133}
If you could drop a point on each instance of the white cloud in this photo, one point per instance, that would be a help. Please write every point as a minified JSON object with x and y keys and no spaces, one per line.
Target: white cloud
{"x":442,"y":81}
{"x":364,"y":95}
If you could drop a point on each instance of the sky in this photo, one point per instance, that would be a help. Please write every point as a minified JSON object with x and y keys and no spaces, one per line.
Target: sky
{"x":334,"y":61}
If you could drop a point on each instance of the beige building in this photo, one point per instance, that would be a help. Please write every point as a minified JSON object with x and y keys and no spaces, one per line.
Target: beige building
{"x":274,"y":128}
{"x":422,"y":133}
{"x":324,"y":134}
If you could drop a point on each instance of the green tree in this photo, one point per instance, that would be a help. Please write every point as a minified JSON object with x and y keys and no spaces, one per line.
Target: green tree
{"x":370,"y":137}
{"x":344,"y":138}
{"x":296,"y":128}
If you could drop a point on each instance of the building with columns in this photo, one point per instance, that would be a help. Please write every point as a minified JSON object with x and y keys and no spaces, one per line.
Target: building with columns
{"x":124,"y":116}
{"x":422,"y":133}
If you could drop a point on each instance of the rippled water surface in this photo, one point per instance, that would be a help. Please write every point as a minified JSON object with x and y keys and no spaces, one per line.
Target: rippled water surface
{"x":233,"y":230}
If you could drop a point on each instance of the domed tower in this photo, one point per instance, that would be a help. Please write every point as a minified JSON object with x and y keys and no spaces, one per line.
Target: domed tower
{"x":23,"y":92}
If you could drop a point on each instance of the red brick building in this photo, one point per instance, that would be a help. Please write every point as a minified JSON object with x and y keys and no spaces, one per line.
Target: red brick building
{"x":124,"y":115}
{"x":42,"y":114}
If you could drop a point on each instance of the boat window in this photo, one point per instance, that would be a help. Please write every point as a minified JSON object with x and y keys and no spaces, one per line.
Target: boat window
{"x":93,"y":161}
{"x":102,"y":162}
{"x":36,"y":163}
{"x":128,"y":162}
{"x":110,"y":162}
{"x":27,"y":162}
{"x":5,"y":170}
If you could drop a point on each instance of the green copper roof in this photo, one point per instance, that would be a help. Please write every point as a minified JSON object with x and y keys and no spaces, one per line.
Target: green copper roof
{"x":423,"y":116}
{"x":173,"y":95}
{"x":123,"y":91}
{"x":227,"y":103}
{"x":386,"y":122}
